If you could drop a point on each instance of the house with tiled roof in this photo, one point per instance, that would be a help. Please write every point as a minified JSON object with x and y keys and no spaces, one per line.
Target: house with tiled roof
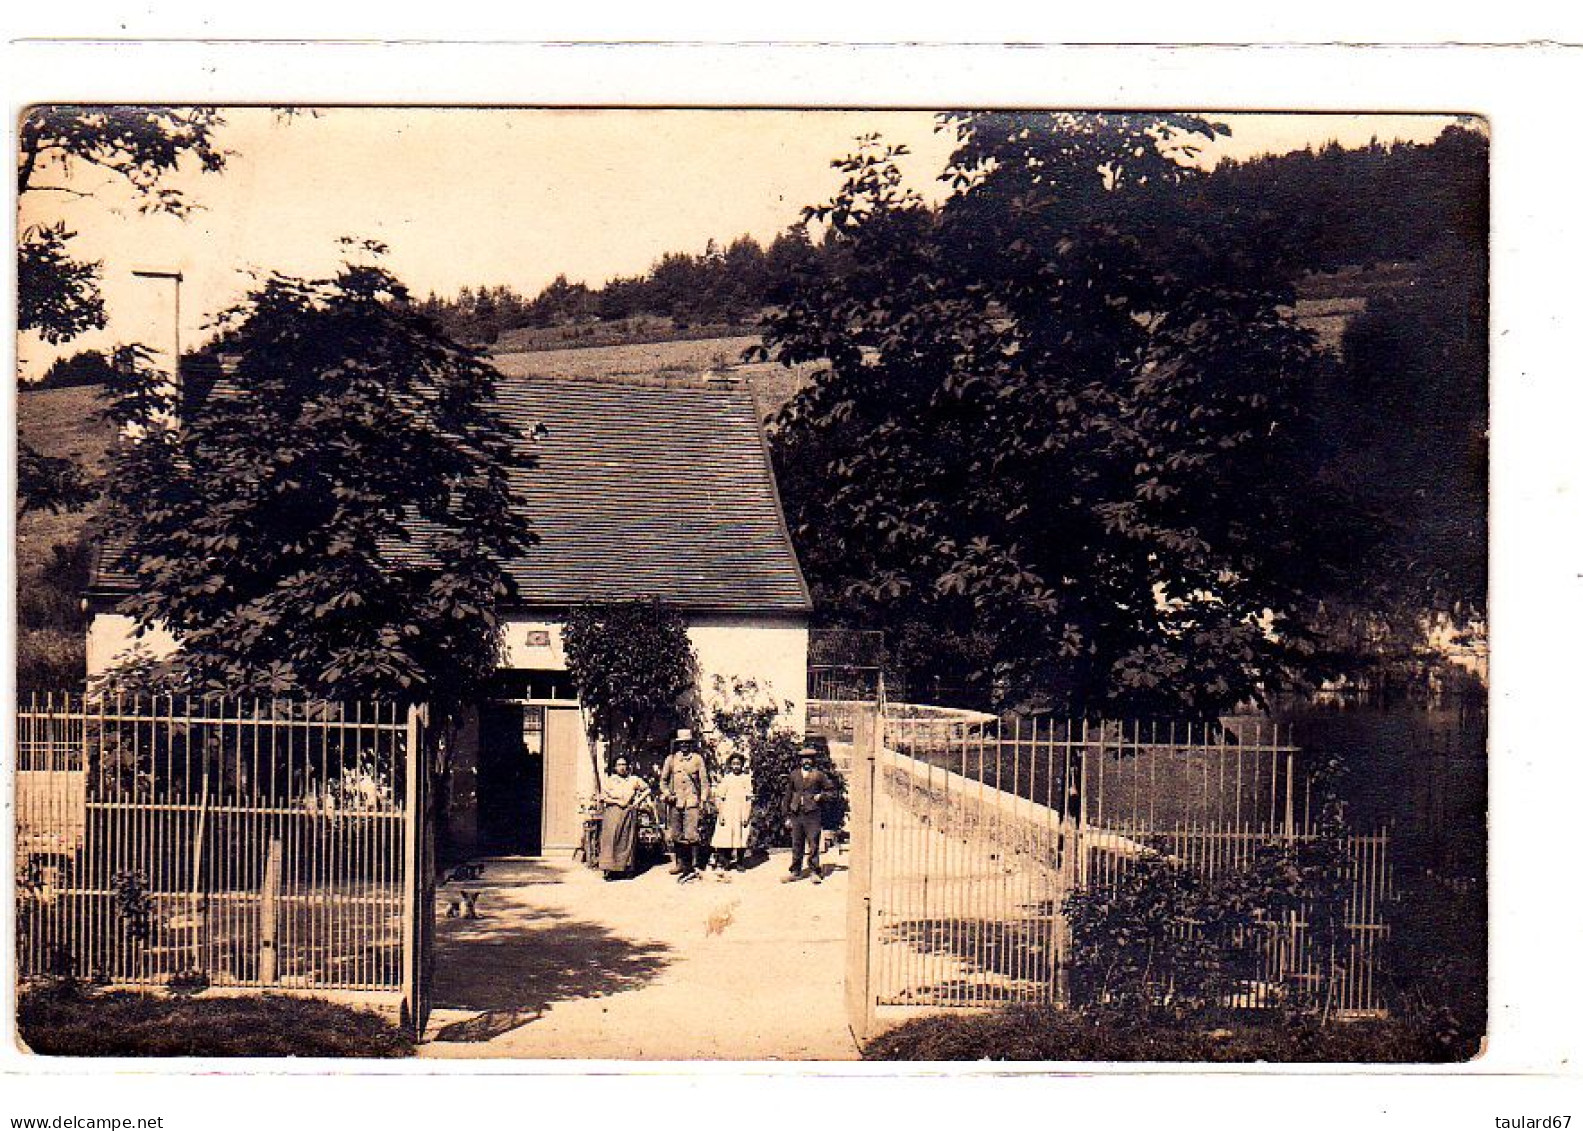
{"x":634,"y":492}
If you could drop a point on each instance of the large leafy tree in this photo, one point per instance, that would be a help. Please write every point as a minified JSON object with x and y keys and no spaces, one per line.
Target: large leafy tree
{"x":1408,"y":411}
{"x":329,"y":517}
{"x":85,"y":151}
{"x":1405,"y":418}
{"x":1413,"y":407}
{"x":1417,"y":412}
{"x":1063,"y":417}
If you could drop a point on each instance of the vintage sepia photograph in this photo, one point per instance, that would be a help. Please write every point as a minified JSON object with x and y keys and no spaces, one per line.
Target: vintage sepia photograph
{"x":751,"y":584}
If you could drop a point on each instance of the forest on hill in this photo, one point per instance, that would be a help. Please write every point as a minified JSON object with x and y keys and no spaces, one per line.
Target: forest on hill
{"x":1315,"y":211}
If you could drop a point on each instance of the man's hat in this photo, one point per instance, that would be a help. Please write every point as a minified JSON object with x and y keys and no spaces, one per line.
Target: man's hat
{"x":684,"y":735}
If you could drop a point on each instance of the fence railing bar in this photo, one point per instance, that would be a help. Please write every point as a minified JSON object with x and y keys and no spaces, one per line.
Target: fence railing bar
{"x":333,"y":814}
{"x":188,"y":720}
{"x":184,"y":796}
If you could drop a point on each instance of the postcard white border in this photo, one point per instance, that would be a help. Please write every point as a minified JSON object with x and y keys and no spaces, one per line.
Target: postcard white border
{"x":1530,"y":97}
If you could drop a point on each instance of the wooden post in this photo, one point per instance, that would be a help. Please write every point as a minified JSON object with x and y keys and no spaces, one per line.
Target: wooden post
{"x":1291,"y":767}
{"x":269,"y":917}
{"x":1073,"y":874}
{"x":195,"y":902}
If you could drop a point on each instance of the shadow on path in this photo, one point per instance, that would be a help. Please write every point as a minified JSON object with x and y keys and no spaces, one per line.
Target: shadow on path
{"x":500,"y":874}
{"x":511,"y":964}
{"x":1014,"y":949}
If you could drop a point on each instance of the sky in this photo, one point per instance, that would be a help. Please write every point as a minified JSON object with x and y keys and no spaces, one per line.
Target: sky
{"x":465,"y":197}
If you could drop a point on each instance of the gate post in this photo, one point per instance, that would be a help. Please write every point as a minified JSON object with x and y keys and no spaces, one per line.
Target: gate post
{"x":866,"y":738}
{"x":417,"y":906}
{"x":1072,"y":876}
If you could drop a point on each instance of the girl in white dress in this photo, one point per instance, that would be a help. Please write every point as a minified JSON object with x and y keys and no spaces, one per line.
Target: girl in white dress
{"x":734,"y":812}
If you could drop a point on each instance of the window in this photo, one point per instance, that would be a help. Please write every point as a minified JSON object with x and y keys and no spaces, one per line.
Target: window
{"x":533,"y":730}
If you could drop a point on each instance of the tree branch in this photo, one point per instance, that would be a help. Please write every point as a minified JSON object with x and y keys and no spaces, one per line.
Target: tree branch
{"x":60,"y":188}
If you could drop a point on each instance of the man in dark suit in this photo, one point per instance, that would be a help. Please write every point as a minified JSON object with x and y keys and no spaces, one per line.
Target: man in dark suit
{"x":805,"y":792}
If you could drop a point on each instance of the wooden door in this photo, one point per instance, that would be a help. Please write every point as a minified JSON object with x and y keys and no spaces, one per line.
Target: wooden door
{"x":563,"y":751}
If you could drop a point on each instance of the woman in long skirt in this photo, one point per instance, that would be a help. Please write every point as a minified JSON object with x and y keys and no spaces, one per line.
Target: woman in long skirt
{"x":734,"y":805}
{"x":623,"y":796}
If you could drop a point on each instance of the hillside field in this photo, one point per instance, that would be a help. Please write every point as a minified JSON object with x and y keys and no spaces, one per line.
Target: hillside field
{"x":686,"y":362}
{"x":51,"y":549}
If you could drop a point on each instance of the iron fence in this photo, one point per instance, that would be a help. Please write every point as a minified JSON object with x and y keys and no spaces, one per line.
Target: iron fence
{"x":975,"y":831}
{"x":847,"y":665}
{"x":257,"y":843}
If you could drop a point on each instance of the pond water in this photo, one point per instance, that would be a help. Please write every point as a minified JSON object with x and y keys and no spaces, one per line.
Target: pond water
{"x":1419,"y":770}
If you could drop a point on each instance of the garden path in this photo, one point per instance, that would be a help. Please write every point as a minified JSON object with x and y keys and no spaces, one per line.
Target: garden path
{"x":561,"y":964}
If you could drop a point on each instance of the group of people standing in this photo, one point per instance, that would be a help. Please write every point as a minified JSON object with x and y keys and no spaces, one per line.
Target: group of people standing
{"x":686,"y":790}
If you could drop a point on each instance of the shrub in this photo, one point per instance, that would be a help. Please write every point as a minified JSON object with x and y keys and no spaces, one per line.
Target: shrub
{"x":65,"y":1021}
{"x":52,"y":597}
{"x":1435,"y":961}
{"x":133,"y":904}
{"x":748,"y":721}
{"x":50,"y":659}
{"x":633,"y":663}
{"x":1165,"y":938}
{"x":1140,"y":945}
{"x":187,"y":983}
{"x":1031,"y":1033}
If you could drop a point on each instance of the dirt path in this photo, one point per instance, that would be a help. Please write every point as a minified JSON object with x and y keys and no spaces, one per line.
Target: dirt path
{"x":562,"y":964}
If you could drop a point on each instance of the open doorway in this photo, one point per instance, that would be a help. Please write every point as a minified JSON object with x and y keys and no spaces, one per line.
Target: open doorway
{"x":511,"y":779}
{"x":531,"y":769}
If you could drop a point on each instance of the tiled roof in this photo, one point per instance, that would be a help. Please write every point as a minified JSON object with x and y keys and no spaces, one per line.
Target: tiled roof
{"x":640,"y":492}
{"x":650,"y":492}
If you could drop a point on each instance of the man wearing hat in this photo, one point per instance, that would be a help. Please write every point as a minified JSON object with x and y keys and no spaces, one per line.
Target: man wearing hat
{"x":684,"y":784}
{"x":806,"y":787}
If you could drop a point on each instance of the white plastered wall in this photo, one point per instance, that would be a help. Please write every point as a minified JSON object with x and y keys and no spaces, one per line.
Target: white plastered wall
{"x":112,"y":637}
{"x":534,"y":644}
{"x":773,"y":651}
{"x":770,"y":650}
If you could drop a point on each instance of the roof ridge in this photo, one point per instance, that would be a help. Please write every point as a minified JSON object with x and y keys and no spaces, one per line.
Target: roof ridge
{"x":739,"y":392}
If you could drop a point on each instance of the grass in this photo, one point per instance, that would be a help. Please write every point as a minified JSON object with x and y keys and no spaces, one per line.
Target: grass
{"x":51,"y":548}
{"x":64,"y":423}
{"x":1023,"y":1034}
{"x":668,"y":362}
{"x":58,"y":1021}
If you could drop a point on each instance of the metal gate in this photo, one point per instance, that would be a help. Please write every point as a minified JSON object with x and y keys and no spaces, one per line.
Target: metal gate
{"x":270,"y":845}
{"x":968,"y":835}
